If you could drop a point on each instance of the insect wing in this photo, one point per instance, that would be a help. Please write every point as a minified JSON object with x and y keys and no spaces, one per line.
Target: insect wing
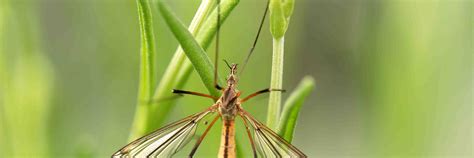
{"x":268,"y":143}
{"x":165,"y":141}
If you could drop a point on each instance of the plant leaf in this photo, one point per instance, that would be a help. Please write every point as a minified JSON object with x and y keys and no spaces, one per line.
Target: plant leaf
{"x":191,"y":47}
{"x":147,"y":53}
{"x":292,"y":107}
{"x":152,"y":116}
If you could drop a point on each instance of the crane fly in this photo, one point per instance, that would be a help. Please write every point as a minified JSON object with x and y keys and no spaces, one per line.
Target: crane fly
{"x":168,"y":140}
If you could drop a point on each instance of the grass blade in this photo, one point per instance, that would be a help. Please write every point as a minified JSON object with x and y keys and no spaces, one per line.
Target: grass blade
{"x":147,"y":50}
{"x":147,"y":53}
{"x":206,"y":34}
{"x":292,"y":107}
{"x":174,"y":74}
{"x":191,"y":47}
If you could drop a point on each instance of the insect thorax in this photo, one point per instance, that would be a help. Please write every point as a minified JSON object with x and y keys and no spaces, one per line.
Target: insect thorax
{"x":229,"y":103}
{"x":228,"y":112}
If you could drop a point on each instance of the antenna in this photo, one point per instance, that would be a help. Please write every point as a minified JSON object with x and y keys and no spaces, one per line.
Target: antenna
{"x":256,"y":38}
{"x":216,"y":56}
{"x":227,"y":63}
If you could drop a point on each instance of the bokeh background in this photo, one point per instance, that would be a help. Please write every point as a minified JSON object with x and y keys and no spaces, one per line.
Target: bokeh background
{"x":394,"y":77}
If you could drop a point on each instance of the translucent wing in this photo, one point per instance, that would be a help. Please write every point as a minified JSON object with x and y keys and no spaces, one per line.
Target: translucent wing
{"x":165,"y":141}
{"x":268,"y":143}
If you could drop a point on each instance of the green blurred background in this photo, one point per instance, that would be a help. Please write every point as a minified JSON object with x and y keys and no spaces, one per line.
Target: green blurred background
{"x":394,"y":77}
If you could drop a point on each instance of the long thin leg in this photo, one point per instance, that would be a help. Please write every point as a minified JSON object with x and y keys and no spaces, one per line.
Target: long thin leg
{"x":177,"y":91}
{"x":216,"y":57}
{"x":256,"y":38}
{"x":260,"y":92}
{"x":250,"y":136}
{"x":202,"y":136}
{"x":162,"y":99}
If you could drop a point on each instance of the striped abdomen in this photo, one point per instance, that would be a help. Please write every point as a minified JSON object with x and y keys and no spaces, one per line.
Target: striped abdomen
{"x":227,"y":148}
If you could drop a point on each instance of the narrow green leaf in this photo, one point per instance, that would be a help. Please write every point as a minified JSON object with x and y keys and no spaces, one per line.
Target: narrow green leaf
{"x":147,"y":50}
{"x":292,"y":108}
{"x":191,"y":47}
{"x":204,"y":37}
{"x":147,"y":53}
{"x":170,"y":78}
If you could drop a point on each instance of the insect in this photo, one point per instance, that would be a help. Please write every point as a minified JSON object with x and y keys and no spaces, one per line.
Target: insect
{"x":168,"y":140}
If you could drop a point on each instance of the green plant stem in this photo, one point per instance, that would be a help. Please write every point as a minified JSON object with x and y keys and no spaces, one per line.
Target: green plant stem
{"x":147,"y":53}
{"x":280,"y":13}
{"x":274,"y":104}
{"x":292,"y":107}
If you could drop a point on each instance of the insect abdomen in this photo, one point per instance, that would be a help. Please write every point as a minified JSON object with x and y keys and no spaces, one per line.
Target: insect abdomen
{"x":227,"y":148}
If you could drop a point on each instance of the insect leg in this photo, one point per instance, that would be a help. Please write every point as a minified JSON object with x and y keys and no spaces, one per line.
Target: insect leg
{"x":202,"y":137}
{"x":260,"y":92}
{"x":216,"y":56}
{"x":256,"y":38}
{"x":165,"y":99}
{"x":250,"y":136}
{"x":177,"y":91}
